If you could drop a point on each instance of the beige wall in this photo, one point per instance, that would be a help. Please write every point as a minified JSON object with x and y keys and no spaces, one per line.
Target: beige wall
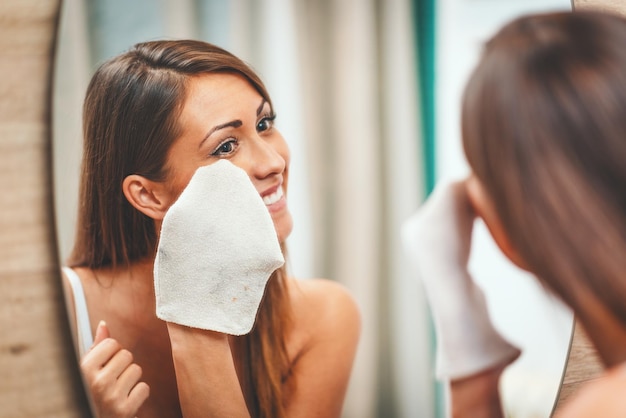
{"x":38,"y":373}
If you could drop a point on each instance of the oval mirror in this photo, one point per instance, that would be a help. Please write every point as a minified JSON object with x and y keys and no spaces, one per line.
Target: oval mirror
{"x":350,"y":114}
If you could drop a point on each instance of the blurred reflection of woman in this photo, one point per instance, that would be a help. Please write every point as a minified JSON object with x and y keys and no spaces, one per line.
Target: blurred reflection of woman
{"x":543,"y":126}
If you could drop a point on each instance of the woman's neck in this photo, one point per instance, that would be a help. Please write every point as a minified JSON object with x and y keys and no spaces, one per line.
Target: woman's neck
{"x":132,"y":288}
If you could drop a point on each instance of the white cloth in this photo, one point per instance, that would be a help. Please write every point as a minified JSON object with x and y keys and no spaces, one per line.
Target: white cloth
{"x":217,"y":249}
{"x":437,"y":239}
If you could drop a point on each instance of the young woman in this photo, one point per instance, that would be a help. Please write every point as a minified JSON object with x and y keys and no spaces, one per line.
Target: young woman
{"x":543,"y":126}
{"x":152,"y":116}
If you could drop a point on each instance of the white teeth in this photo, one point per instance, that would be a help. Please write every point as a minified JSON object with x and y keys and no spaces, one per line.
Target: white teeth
{"x":274,"y":197}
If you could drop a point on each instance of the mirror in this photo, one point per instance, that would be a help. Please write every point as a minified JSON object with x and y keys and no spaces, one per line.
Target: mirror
{"x":348,"y":197}
{"x":37,"y":353}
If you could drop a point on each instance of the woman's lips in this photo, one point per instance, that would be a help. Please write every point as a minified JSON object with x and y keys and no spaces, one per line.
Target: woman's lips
{"x":272,"y":198}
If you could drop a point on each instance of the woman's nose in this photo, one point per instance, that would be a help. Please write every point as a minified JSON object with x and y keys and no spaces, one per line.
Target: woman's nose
{"x":266,"y":159}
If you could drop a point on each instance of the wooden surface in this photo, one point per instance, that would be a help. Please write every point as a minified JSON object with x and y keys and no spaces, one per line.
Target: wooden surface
{"x":582,"y":365}
{"x":611,"y":6}
{"x":38,"y":371}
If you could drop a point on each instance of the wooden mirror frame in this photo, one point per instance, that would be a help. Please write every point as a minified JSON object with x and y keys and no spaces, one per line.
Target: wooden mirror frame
{"x":39,"y":374}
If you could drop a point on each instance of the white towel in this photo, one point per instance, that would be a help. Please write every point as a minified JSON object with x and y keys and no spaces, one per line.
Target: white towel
{"x":437,"y":238}
{"x":217,"y":249}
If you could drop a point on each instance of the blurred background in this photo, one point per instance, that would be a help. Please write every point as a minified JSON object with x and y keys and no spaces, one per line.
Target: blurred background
{"x":367,"y":94}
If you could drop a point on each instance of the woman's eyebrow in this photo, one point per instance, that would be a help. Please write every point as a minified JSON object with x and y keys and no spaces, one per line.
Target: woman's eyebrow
{"x":260,"y":108}
{"x":232,"y":124}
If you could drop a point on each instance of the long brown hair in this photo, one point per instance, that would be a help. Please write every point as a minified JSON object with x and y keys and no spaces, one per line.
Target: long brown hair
{"x":544,"y":130}
{"x":130,"y":121}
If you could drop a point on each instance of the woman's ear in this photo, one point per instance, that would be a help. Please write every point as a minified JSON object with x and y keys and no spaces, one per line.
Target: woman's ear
{"x":485,"y":209}
{"x":147,"y":196}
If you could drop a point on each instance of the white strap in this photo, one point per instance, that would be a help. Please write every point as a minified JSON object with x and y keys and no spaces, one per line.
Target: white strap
{"x":83,"y":328}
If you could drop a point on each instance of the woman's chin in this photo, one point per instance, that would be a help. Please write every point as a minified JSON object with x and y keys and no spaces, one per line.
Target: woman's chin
{"x":283,"y":226}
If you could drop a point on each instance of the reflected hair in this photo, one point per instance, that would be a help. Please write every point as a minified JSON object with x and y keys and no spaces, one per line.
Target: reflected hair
{"x":130,"y":121}
{"x":543,"y":127}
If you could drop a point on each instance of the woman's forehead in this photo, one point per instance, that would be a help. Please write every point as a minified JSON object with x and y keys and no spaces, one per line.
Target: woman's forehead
{"x":221,"y":90}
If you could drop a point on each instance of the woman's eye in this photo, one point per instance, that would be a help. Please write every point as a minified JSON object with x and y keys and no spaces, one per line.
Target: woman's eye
{"x":225,"y":148}
{"x":265,"y":123}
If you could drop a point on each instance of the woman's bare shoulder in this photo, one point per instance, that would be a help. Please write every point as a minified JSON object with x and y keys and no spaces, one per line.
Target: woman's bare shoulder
{"x":321,"y":293}
{"x":603,"y":397}
{"x":323,"y":303}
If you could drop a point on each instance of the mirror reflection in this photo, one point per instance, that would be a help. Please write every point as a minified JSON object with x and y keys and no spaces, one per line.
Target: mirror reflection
{"x":520,"y":308}
{"x":356,"y":172}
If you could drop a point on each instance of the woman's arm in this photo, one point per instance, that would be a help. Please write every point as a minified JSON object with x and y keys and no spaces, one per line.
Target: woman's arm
{"x":327,"y":326}
{"x":205,"y":374}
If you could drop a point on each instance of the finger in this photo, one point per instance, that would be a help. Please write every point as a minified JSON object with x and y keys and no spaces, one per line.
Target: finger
{"x":102,"y":332}
{"x":116,"y":366}
{"x":137,"y":397}
{"x":100,"y":354}
{"x":129,"y":378}
{"x":105,"y":377}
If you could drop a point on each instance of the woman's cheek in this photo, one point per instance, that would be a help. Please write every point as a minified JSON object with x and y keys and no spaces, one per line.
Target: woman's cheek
{"x":484,"y":208}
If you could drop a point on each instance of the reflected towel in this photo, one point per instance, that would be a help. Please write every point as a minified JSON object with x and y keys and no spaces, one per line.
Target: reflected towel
{"x":217,"y":250}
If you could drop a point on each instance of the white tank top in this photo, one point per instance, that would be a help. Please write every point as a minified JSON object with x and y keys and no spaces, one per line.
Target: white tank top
{"x":83,"y":327}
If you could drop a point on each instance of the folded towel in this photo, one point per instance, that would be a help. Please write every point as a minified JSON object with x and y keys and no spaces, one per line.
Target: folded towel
{"x":217,"y":249}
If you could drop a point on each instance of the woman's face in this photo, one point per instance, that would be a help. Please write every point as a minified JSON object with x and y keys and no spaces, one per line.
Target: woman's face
{"x":224,"y":117}
{"x":485,"y":209}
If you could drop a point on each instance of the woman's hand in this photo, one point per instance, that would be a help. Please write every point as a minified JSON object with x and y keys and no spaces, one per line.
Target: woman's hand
{"x":112,"y":378}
